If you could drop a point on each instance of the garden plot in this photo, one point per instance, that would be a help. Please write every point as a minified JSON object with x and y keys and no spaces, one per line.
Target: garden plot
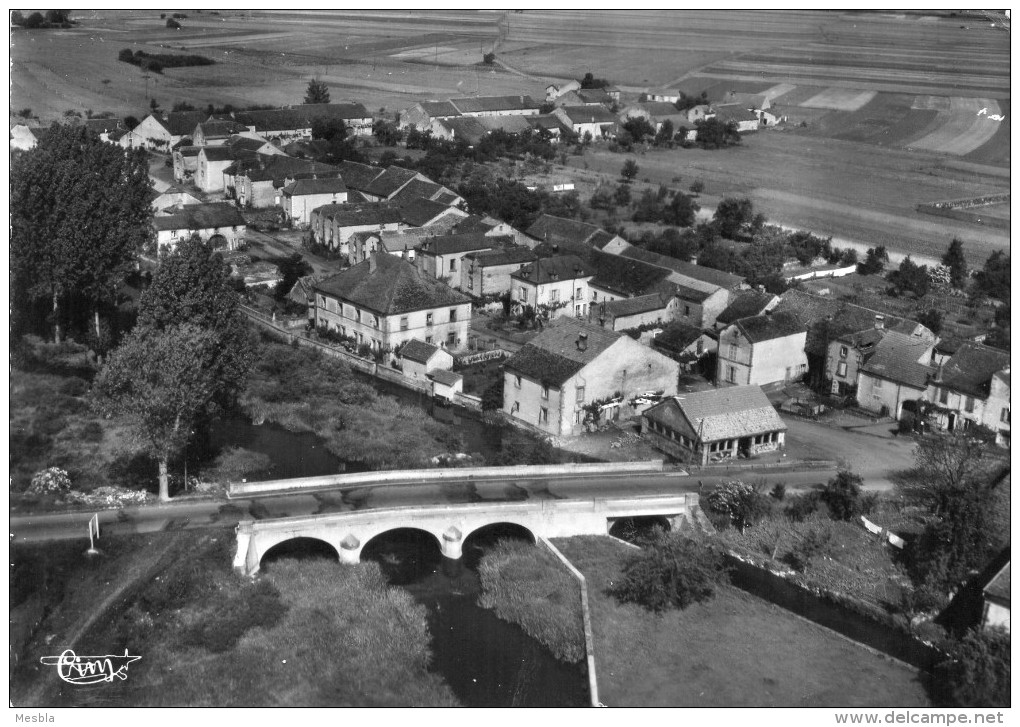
{"x":967,"y":125}
{"x":839,"y":99}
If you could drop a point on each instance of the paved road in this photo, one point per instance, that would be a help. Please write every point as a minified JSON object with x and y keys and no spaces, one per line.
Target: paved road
{"x":189,"y":514}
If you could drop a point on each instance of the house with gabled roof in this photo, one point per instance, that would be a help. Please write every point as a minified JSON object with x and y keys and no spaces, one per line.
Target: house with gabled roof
{"x":693,"y":275}
{"x":572,"y":364}
{"x":442,"y":256}
{"x":972,"y":388}
{"x":301,"y":196}
{"x":215,"y":132}
{"x":422,"y":188}
{"x":556,"y":285}
{"x":258,"y":182}
{"x":384,"y":302}
{"x":744,"y":119}
{"x":745,"y":304}
{"x":418,"y":212}
{"x":629,"y":313}
{"x":163,"y":131}
{"x":897,"y":372}
{"x":172,"y":197}
{"x":617,"y":278}
{"x":486,"y":273}
{"x":598,"y":121}
{"x":218,"y":223}
{"x":568,"y":235}
{"x":847,"y":355}
{"x":334,"y":224}
{"x":997,"y":593}
{"x":703,"y":426}
{"x":418,"y":359}
{"x":762,"y":350}
{"x":684,"y":343}
{"x":295,"y":122}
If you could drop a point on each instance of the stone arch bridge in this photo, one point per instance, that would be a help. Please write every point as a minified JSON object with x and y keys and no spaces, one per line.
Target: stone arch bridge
{"x":348,"y":532}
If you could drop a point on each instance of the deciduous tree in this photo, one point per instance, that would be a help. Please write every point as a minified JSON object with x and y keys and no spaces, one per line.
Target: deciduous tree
{"x":317,"y":92}
{"x":732,"y":214}
{"x":629,"y":170}
{"x":956,"y":262}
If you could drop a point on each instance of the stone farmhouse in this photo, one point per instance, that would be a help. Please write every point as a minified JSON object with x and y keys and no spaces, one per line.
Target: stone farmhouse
{"x":762,"y":350}
{"x":218,"y":223}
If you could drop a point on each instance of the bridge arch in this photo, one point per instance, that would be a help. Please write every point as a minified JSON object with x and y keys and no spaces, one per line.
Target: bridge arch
{"x":404,"y":553}
{"x":488,"y":534}
{"x":632,"y":528}
{"x":299,"y":546}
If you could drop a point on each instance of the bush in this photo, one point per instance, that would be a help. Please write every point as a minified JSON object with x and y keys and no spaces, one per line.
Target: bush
{"x":51,"y":481}
{"x":235,"y":464}
{"x":843,"y":495}
{"x":811,"y":544}
{"x":802,"y":506}
{"x":742,"y":503}
{"x":672,"y":572}
{"x":977,"y":672}
{"x":220,"y":630}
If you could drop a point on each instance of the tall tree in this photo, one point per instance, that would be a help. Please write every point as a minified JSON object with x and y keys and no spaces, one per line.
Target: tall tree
{"x":79,"y":212}
{"x":160,"y":381}
{"x":317,"y":92}
{"x":994,"y":279}
{"x":874,"y":261}
{"x":956,"y":262}
{"x":732,"y":214}
{"x":630,"y":170}
{"x":192,"y":286}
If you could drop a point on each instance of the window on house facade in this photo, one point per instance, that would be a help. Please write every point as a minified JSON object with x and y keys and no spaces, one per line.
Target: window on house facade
{"x":1004,"y":416}
{"x":517,"y":382}
{"x":876,"y":383}
{"x":841,"y":369}
{"x":453,"y":265}
{"x":554,"y":296}
{"x":731,"y":375}
{"x":453,"y":315}
{"x":580,"y":294}
{"x":579,"y":394}
{"x":403,"y":323}
{"x":471,"y":282}
{"x":943,"y":396}
{"x":687,"y":310}
{"x":524,"y":295}
{"x":733,"y":350}
{"x":375,"y":321}
{"x":969,"y":405}
{"x":545,"y":392}
{"x":322,"y":301}
{"x":843,"y":351}
{"x":428,"y":339}
{"x":428,"y":319}
{"x":543,"y":415}
{"x":701,"y":347}
{"x":451,"y":339}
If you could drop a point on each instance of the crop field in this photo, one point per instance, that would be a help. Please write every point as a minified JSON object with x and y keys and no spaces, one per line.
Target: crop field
{"x":885,"y":110}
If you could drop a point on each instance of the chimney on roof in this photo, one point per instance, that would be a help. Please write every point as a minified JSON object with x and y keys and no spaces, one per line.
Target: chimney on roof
{"x":372,"y":262}
{"x":879,"y":320}
{"x":582,"y":341}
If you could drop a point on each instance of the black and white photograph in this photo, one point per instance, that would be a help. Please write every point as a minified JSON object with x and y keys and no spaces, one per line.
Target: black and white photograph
{"x":542,"y":358}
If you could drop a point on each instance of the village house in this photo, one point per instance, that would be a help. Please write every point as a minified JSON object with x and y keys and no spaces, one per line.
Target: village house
{"x":446,"y":384}
{"x":258,"y":182}
{"x":762,"y":350}
{"x":745,"y":304}
{"x":745,"y":120}
{"x":491,"y":227}
{"x":631,"y":313}
{"x":666,"y":95}
{"x":384,"y":302}
{"x":548,"y":124}
{"x":24,"y":137}
{"x":421,"y":115}
{"x":690,"y":274}
{"x":972,"y":388}
{"x":685,"y":344}
{"x":704,"y":426}
{"x":217,"y":133}
{"x":213,"y":165}
{"x":334,"y":224}
{"x":487,"y":273}
{"x":436,"y":216}
{"x":997,"y":594}
{"x":172,"y":197}
{"x":897,"y":372}
{"x":569,"y":235}
{"x":218,"y":223}
{"x":556,"y":286}
{"x":422,"y":188}
{"x":572,"y":365}
{"x":418,"y":359}
{"x":163,"y":131}
{"x":295,"y":122}
{"x":443,"y":256}
{"x":472,"y":129}
{"x":554,"y":91}
{"x":301,"y":196}
{"x":593,"y":122}
{"x":656,"y":113}
{"x":846,"y":356}
{"x":303,"y":293}
{"x":185,"y":160}
{"x":617,"y":278}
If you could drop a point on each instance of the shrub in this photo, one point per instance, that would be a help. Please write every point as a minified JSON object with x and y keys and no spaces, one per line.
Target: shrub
{"x":977,"y":672}
{"x":741,"y":502}
{"x":799,"y":508}
{"x":51,"y":481}
{"x":843,"y":495}
{"x":235,"y":463}
{"x":811,"y":544}
{"x":778,"y":492}
{"x":220,"y":630}
{"x":672,"y":572}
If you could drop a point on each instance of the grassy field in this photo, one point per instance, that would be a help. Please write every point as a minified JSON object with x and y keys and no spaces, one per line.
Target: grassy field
{"x":733,"y":651}
{"x":303,"y":634}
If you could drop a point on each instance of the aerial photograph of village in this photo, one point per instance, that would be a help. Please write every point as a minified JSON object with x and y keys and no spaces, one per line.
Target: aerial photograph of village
{"x":510,"y":358}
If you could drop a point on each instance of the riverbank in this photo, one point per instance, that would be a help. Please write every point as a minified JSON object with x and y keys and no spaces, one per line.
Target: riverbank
{"x":733,"y":651}
{"x":527,"y":586}
{"x":306,"y":633}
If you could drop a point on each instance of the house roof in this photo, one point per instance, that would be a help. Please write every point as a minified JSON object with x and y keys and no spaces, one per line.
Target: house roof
{"x":594,"y":95}
{"x":419,"y":351}
{"x":358,"y":176}
{"x":747,"y":303}
{"x":510,"y":256}
{"x":299,"y":117}
{"x":971,"y":368}
{"x":555,"y":354}
{"x":627,"y":277}
{"x":549,"y":269}
{"x":481,"y":104}
{"x":418,"y":212}
{"x":458,"y":243}
{"x":373,"y":213}
{"x":388,"y":285}
{"x":180,"y":123}
{"x":561,"y":230}
{"x":200,"y":217}
{"x":549,"y":122}
{"x":471,"y":223}
{"x":637,"y":305}
{"x":600,"y":239}
{"x":301,"y":187}
{"x":659,"y":108}
{"x":102,"y":126}
{"x":223,"y":153}
{"x":278,"y":167}
{"x":392,"y":179}
{"x":192,"y":151}
{"x":401,"y":241}
{"x":838,"y":316}
{"x":897,"y":358}
{"x":727,"y":413}
{"x":589,"y":114}
{"x":769,"y":326}
{"x":439,"y":108}
{"x":677,"y":336}
{"x":448,"y":378}
{"x":690,"y":270}
{"x":734,"y":113}
{"x":999,"y":586}
{"x":418,"y":189}
{"x":215,"y":129}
